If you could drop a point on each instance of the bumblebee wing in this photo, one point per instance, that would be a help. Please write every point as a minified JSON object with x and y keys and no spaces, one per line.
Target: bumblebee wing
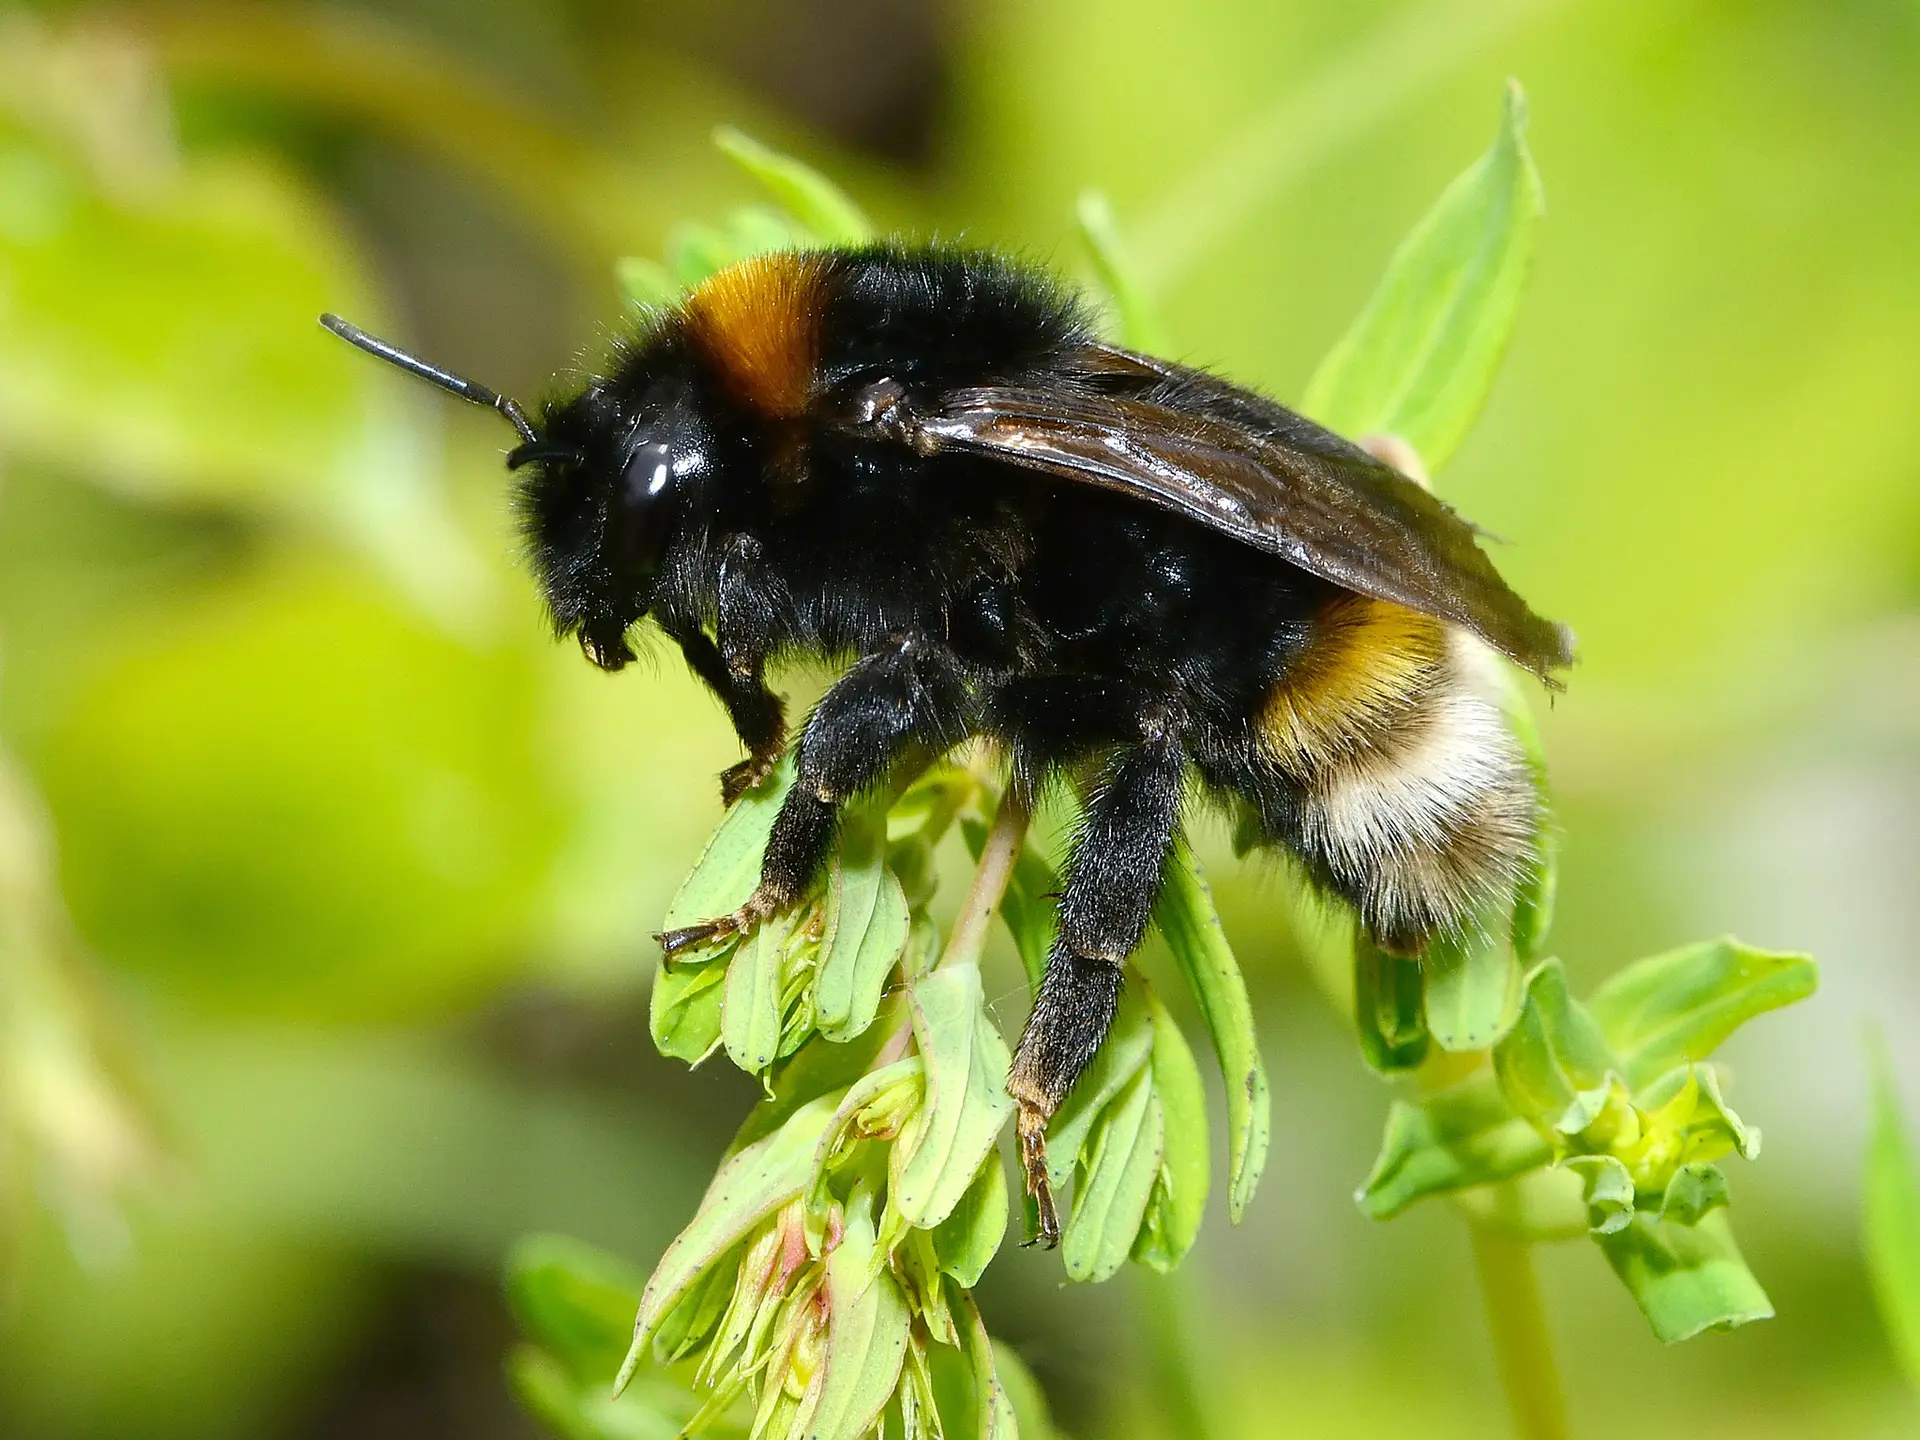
{"x":1248,"y":468}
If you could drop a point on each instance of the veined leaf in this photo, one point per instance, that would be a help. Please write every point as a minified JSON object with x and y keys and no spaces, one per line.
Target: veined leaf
{"x":1180,"y":1195}
{"x":1389,"y":1007}
{"x":1472,"y":992}
{"x":1673,"y":1008}
{"x":967,"y":1102}
{"x":1419,"y":361}
{"x":867,"y":1330}
{"x":729,"y":864}
{"x":1120,"y":1169}
{"x":1686,"y":1279}
{"x":750,"y":1011}
{"x":1452,"y":1140}
{"x":968,"y":1239}
{"x":994,"y":1417}
{"x":748,"y":1188}
{"x":866,"y":927}
{"x":1191,"y":927}
{"x":1554,"y":1052}
{"x":684,"y":1009}
{"x":1122,"y":1056}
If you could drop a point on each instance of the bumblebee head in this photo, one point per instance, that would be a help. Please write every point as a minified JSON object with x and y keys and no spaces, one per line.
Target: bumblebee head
{"x":603,"y":488}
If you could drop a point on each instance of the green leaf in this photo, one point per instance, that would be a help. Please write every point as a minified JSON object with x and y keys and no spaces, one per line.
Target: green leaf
{"x":1463,"y":1136}
{"x":750,"y":1013}
{"x":1419,"y":361}
{"x":967,"y":1101}
{"x":1686,"y":1279}
{"x":1180,"y":1194}
{"x":1023,"y":1393}
{"x":1607,"y":1190}
{"x":867,"y":926}
{"x":1122,"y":1165}
{"x":1669,"y":1009}
{"x":646,"y":283}
{"x":1472,"y":992}
{"x":749,"y":1187}
{"x":575,"y":1300}
{"x":1121,"y":1057}
{"x":829,"y":216}
{"x":1695,"y":1191}
{"x":1389,"y":1007}
{"x":1139,"y":327}
{"x":684,"y":1009}
{"x":1892,"y":1220}
{"x":582,"y":1412}
{"x":994,"y":1417}
{"x":1554,"y":1051}
{"x":968,"y":1239}
{"x":1191,"y":927}
{"x":729,"y":864}
{"x":867,"y":1331}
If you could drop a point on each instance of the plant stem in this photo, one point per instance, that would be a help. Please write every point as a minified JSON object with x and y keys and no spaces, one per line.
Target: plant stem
{"x":969,"y":934}
{"x":1522,"y":1345}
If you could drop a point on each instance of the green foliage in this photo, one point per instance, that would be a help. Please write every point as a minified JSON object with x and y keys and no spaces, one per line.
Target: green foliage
{"x":1419,"y":361}
{"x":1891,"y":1220}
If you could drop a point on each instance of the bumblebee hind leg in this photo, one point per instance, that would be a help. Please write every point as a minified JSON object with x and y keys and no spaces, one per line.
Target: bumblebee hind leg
{"x":1113,"y":879}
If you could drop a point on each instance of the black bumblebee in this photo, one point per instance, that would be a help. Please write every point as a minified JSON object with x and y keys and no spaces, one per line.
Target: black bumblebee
{"x":923,"y":461}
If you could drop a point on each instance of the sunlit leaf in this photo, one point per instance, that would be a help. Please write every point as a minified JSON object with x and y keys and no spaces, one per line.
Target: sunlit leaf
{"x":749,"y":1187}
{"x":1180,"y":1195}
{"x":867,"y":927}
{"x":1138,"y":326}
{"x":967,"y":1101}
{"x":866,"y":1337}
{"x":1673,"y":1008}
{"x":729,"y":864}
{"x":1892,"y":1221}
{"x":1460,"y":1137}
{"x":1553,"y":1053}
{"x":684,"y":1009}
{"x":1686,"y":1279}
{"x":1122,"y":1056}
{"x":1419,"y":361}
{"x":812,"y":199}
{"x":1117,"y":1177}
{"x":750,"y":1011}
{"x":1472,"y":992}
{"x":1191,"y":927}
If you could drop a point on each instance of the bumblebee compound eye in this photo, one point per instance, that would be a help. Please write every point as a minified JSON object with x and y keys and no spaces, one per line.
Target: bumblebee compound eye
{"x":641,"y":508}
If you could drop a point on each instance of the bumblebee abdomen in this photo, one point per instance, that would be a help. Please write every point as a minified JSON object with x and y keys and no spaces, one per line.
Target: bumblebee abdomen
{"x":1413,"y":798}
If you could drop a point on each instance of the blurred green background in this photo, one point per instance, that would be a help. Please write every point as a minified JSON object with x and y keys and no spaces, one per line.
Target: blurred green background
{"x":336,"y":981}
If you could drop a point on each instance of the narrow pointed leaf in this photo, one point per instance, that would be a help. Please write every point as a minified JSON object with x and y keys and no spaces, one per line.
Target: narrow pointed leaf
{"x":1892,"y":1222}
{"x":1678,"y":1007}
{"x":1421,"y":358}
{"x":1110,"y":1201}
{"x":815,"y":201}
{"x":994,"y":1417}
{"x":1191,"y":927}
{"x":967,"y":1102}
{"x":867,"y":926}
{"x":1180,"y":1195}
{"x":1461,"y":1137}
{"x":1138,"y":326}
{"x":1686,"y":1279}
{"x":1554,"y":1051}
{"x":748,"y":1188}
{"x":1126,"y":1051}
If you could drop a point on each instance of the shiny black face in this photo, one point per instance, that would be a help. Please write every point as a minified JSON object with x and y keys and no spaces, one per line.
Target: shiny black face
{"x":608,"y":483}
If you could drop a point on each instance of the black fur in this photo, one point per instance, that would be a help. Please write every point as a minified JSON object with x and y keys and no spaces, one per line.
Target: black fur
{"x":970,"y":597}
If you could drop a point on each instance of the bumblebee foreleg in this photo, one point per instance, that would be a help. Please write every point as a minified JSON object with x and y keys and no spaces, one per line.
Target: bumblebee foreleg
{"x":759,"y":719}
{"x":1113,"y":880}
{"x":915,"y":690}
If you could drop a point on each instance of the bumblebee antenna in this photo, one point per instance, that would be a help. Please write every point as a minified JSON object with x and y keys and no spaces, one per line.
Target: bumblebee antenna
{"x":466,"y":389}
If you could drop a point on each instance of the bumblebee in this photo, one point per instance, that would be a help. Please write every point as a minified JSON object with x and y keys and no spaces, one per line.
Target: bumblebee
{"x":923,"y":461}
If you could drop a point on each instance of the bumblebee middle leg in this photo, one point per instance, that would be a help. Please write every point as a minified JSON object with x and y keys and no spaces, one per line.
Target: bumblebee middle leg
{"x":915,"y":690}
{"x":1113,"y":881}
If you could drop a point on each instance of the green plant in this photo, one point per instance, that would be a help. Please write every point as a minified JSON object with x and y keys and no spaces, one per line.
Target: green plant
{"x":824,"y":1285}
